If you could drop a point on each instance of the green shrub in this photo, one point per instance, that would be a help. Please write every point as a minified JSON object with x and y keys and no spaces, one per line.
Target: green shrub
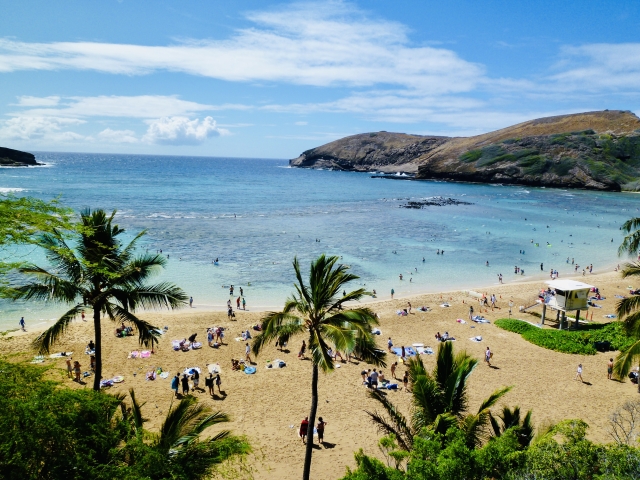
{"x":471,"y":156}
{"x":576,"y":342}
{"x":563,"y":166}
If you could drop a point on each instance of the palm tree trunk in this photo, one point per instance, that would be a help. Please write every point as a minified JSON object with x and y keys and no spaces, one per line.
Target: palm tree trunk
{"x":312,"y":420}
{"x":98,"y":340}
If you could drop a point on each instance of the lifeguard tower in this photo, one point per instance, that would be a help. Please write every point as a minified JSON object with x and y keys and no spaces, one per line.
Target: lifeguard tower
{"x":570,"y":296}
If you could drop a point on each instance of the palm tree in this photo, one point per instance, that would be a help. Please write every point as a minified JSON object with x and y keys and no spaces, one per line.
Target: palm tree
{"x":98,"y":274}
{"x":628,"y":309}
{"x":439,"y":400}
{"x":507,"y":419}
{"x":317,"y":310}
{"x":177,"y":447}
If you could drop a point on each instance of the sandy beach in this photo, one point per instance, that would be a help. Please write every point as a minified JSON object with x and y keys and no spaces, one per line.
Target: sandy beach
{"x":267,"y":407}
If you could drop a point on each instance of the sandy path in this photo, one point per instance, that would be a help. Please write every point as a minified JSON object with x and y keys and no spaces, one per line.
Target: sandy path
{"x":265,"y":405}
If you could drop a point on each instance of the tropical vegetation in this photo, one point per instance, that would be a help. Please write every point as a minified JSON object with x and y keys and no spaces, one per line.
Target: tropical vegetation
{"x":317,"y":311}
{"x":439,"y":401}
{"x":628,"y":309}
{"x":51,"y":432}
{"x":92,"y":270}
{"x":579,"y":342}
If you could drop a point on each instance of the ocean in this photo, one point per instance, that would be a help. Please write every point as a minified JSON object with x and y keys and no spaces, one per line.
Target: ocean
{"x":256,"y":215}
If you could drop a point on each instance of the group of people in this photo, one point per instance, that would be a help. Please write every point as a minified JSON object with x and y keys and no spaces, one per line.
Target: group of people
{"x":210,"y":382}
{"x":304,"y":430}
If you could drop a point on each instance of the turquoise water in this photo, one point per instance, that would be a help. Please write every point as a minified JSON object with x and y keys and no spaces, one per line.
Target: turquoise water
{"x":256,"y":215}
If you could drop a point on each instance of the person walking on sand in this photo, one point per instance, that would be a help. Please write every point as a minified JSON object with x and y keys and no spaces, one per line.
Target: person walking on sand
{"x":408,"y":307}
{"x":390,"y":345}
{"x":69,"y":368}
{"x":609,"y":369}
{"x":405,"y":380}
{"x":208,"y":382}
{"x":304,"y":429}
{"x":22,"y":325}
{"x":579,"y":373}
{"x":303,"y":349}
{"x":487,"y":356}
{"x":320,"y":430}
{"x":175,"y":383}
{"x":247,"y":352}
{"x":493,"y":301}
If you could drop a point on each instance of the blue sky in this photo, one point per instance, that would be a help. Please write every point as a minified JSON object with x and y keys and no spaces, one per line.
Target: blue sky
{"x":271,"y":79}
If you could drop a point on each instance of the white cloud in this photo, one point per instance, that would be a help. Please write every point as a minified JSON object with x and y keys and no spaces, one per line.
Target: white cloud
{"x":39,"y":128}
{"x":118,"y":136}
{"x":182,"y":131}
{"x":321,"y":44}
{"x":140,"y":106}
{"x":26,"y":101}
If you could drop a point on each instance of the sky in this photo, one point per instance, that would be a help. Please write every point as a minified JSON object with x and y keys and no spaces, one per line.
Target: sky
{"x":272,"y":79}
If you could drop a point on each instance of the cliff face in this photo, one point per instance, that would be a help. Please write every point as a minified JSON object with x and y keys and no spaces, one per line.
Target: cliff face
{"x":593,"y":150}
{"x":16,"y":158}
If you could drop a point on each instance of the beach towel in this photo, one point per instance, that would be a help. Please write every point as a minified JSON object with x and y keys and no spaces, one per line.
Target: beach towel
{"x":196,"y":345}
{"x":176,"y":344}
{"x":249,"y":370}
{"x":459,"y":320}
{"x":445,"y":305}
{"x":191,"y":370}
{"x":145,"y":354}
{"x":106,"y":383}
{"x":151,"y":375}
{"x":423,"y":309}
{"x":89,"y":352}
{"x":164,"y":374}
{"x":391,"y":386}
{"x":479,"y":319}
{"x":118,"y":379}
{"x":213,"y":368}
{"x":476,"y":339}
{"x":401,"y":313}
{"x":134,"y":354}
{"x":408,"y":351}
{"x":60,"y":355}
{"x":610,"y":315}
{"x":376,"y":331}
{"x":417,"y":344}
{"x":38,"y":359}
{"x":620,"y":296}
{"x":428,"y":351}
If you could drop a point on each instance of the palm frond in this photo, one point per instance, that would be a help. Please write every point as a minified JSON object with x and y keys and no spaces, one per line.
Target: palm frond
{"x":426,"y":400}
{"x":147,"y":333}
{"x":161,"y":295}
{"x":136,"y":413}
{"x":396,"y":423}
{"x":203,"y":422}
{"x":631,"y":242}
{"x":277,"y":326}
{"x":47,"y":287}
{"x":491,"y":400}
{"x":625,"y":360}
{"x":320,"y":350}
{"x":50,"y":336}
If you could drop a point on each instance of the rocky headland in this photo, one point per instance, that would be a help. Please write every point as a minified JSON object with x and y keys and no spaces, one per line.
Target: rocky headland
{"x":16,"y":158}
{"x":593,"y":150}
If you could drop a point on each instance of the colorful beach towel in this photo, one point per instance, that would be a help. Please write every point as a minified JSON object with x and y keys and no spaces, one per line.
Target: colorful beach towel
{"x":61,"y":355}
{"x":214,"y":368}
{"x":118,"y":379}
{"x":145,"y":354}
{"x":249,"y":370}
{"x":191,"y":370}
{"x":134,"y":354}
{"x":408,"y":351}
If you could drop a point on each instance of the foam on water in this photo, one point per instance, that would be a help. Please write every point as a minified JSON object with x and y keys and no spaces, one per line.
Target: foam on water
{"x":255,"y":216}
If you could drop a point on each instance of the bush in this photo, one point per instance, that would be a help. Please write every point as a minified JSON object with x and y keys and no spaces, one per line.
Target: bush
{"x":471,"y":156}
{"x":576,"y":342}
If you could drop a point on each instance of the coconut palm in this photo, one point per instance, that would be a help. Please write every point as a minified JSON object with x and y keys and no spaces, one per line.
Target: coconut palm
{"x":509,"y":418}
{"x":317,"y":311}
{"x":628,"y":309}
{"x":178,"y":448}
{"x":98,"y":274}
{"x":439,"y":400}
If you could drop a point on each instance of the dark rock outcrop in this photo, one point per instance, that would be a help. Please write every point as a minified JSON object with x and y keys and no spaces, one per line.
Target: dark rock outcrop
{"x":16,"y":158}
{"x":592,"y":150}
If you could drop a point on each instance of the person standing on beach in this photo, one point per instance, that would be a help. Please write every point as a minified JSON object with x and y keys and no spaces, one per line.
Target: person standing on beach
{"x":22,"y":324}
{"x":493,"y":301}
{"x":304,"y":429}
{"x":69,"y":368}
{"x":175,"y":383}
{"x":208,"y":382}
{"x":196,"y":379}
{"x":405,"y":380}
{"x":394,"y":365}
{"x":390,"y":345}
{"x":83,"y":319}
{"x":320,"y":430}
{"x":185,"y":384}
{"x":392,"y":292}
{"x":218,"y":383}
{"x":408,"y":307}
{"x":609,"y":369}
{"x":244,"y":303}
{"x":303,"y":349}
{"x":247,"y":351}
{"x":77,"y":369}
{"x":238,"y":303}
{"x":470,"y":313}
{"x":487,"y":356}
{"x":579,"y":373}
{"x":191,"y":302}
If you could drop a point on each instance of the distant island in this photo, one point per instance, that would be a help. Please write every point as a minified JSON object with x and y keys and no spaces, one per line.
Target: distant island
{"x":592,"y":150}
{"x":16,"y":158}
